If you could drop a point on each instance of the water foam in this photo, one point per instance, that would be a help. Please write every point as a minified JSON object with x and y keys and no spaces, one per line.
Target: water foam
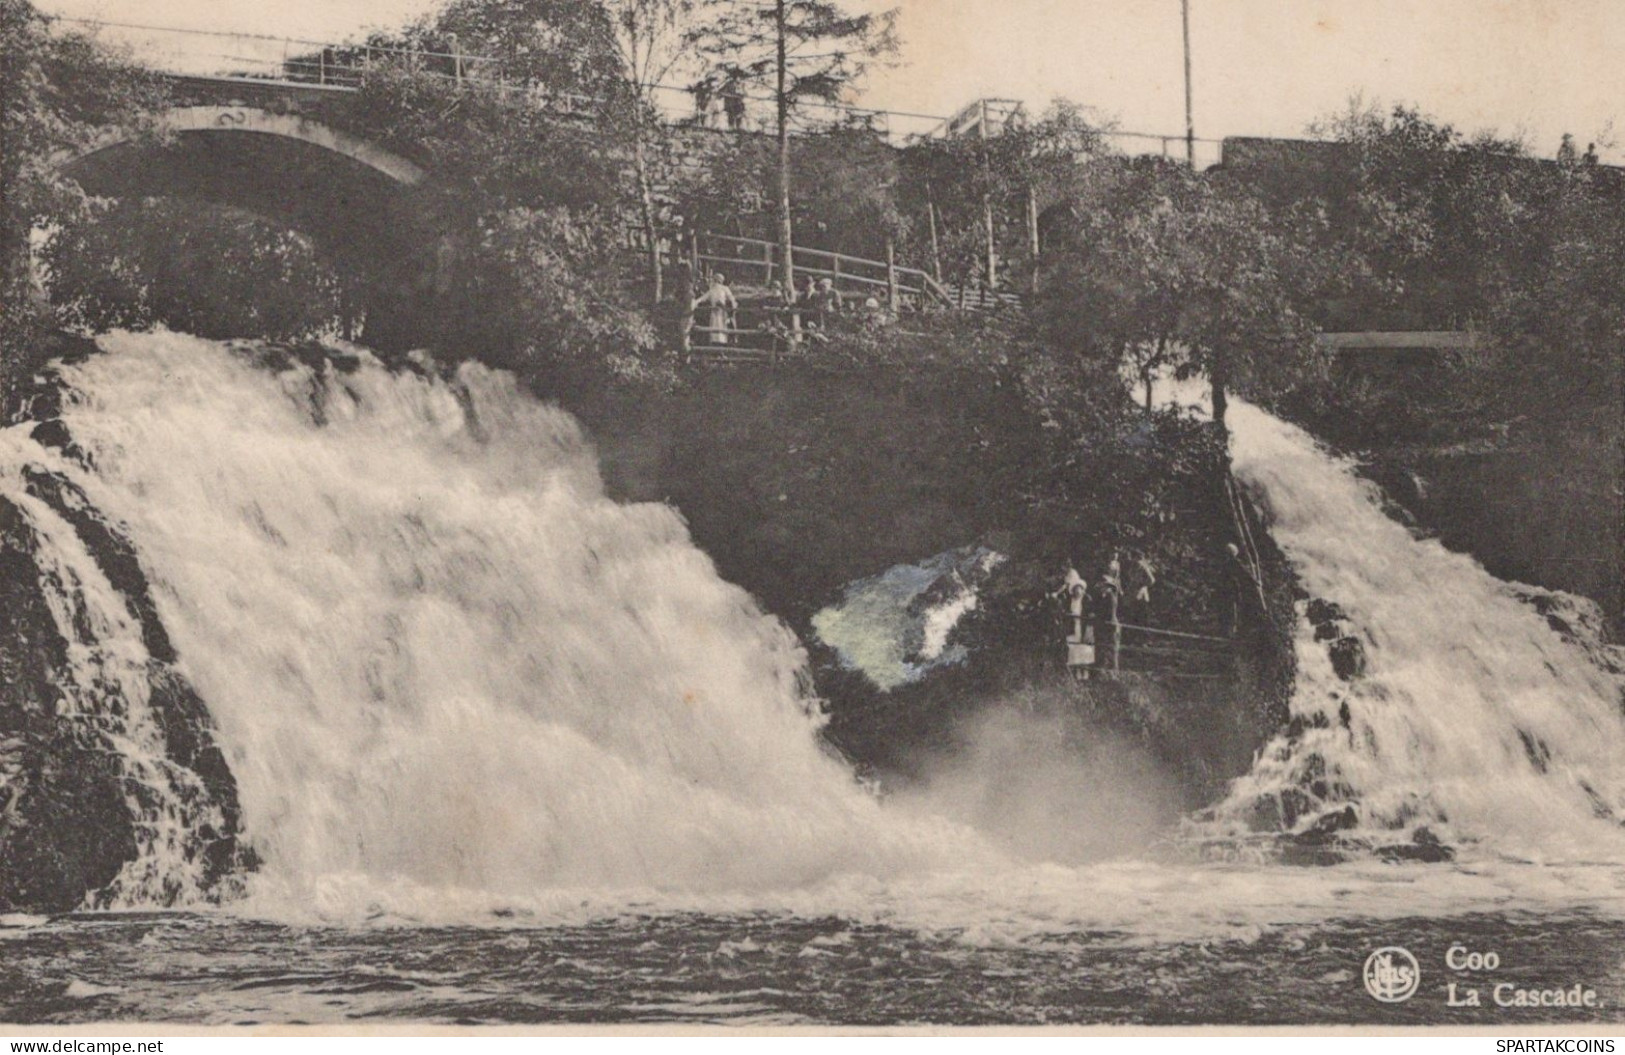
{"x":449,"y":675}
{"x":439,"y":657}
{"x":1474,"y":717}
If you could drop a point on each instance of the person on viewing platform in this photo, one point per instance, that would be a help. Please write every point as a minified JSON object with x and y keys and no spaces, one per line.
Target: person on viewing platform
{"x":780,"y":308}
{"x":1112,"y":574}
{"x":1074,"y":592}
{"x":733,"y":105}
{"x":1142,"y":576}
{"x":722,"y":304}
{"x":1239,"y":587}
{"x":1107,"y":594}
{"x":782,"y":296}
{"x":825,"y":302}
{"x":702,"y":103}
{"x":1080,"y":638}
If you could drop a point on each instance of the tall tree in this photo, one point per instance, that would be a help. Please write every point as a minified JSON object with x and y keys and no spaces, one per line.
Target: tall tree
{"x":612,"y":56}
{"x":653,"y":41}
{"x":1166,"y":267}
{"x":955,"y":181}
{"x":562,"y":47}
{"x":806,"y":50}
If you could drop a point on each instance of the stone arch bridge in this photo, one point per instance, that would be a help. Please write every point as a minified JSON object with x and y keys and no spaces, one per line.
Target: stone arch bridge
{"x":274,"y":149}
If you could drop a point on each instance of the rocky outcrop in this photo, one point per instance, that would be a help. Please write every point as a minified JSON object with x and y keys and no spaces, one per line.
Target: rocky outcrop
{"x":1344,"y":647}
{"x":1577,"y":620}
{"x":76,"y":700}
{"x":64,"y":827}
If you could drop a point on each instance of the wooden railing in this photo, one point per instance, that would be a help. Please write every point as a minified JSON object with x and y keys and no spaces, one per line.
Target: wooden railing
{"x":1171,"y":653}
{"x":1248,"y":546}
{"x":1112,"y":645}
{"x":755,"y":261}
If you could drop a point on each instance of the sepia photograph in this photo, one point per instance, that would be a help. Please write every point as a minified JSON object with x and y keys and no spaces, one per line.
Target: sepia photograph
{"x":761,"y":516}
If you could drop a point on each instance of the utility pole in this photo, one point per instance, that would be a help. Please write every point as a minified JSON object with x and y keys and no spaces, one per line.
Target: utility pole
{"x":1190,"y":123}
{"x":786,"y":235}
{"x":987,"y":201}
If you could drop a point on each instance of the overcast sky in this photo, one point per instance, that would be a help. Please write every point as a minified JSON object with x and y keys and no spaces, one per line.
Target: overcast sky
{"x":1262,"y":67}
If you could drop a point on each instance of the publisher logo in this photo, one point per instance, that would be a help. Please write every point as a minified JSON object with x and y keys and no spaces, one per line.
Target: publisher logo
{"x":1392,"y":975}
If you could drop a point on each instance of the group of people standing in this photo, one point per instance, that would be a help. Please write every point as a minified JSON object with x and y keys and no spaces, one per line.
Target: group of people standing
{"x":717,"y":307}
{"x":720,"y":105}
{"x":1093,"y":611}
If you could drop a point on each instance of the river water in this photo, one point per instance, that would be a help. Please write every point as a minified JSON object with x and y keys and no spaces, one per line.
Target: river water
{"x":767,"y":970}
{"x":511,"y":752}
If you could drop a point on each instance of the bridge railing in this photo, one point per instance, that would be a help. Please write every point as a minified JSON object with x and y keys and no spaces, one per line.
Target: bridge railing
{"x":258,"y":56}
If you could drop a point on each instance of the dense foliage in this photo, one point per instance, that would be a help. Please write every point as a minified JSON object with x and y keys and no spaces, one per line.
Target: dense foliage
{"x":1132,"y":267}
{"x":967,"y":181}
{"x":1156,"y":267}
{"x":207,"y":270}
{"x":61,"y":91}
{"x":1448,"y":232}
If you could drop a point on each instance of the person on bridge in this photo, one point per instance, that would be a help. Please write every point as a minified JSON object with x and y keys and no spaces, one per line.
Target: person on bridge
{"x":733,"y":105}
{"x":702,"y":103}
{"x":722,"y":304}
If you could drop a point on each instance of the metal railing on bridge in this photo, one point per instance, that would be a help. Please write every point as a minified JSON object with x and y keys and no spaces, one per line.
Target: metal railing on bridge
{"x":295,"y":61}
{"x":1172,"y":653}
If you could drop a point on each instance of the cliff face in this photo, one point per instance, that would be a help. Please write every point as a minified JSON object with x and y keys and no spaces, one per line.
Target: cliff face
{"x":1549,"y":514}
{"x":64,"y":827}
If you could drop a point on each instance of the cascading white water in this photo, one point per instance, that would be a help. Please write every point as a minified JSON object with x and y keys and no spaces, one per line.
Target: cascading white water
{"x":443,"y":663}
{"x":1473,"y":717}
{"x":440,"y":658}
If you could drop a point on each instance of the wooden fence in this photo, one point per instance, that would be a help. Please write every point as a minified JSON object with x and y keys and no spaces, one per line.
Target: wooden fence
{"x":755,"y":261}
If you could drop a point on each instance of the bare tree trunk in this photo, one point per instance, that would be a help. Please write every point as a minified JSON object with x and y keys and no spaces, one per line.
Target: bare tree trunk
{"x":1146,"y":377}
{"x":1219,"y":379}
{"x":1033,"y":246}
{"x":936,"y":248}
{"x":640,"y":159}
{"x":987,"y":203}
{"x":782,"y":97}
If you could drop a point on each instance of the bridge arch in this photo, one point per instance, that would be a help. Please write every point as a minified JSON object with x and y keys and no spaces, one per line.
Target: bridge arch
{"x":353,"y":197}
{"x":250,"y":120}
{"x":356,"y":200}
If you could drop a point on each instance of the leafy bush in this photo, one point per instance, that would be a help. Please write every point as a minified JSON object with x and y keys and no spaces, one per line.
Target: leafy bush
{"x":203,"y":269}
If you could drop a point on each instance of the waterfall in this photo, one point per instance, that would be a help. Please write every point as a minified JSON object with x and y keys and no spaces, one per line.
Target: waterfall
{"x":436,"y":654}
{"x":442,"y":668}
{"x":1473,"y":718}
